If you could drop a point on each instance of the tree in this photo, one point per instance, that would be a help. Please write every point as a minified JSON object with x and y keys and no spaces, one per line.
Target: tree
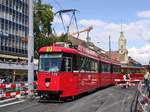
{"x":40,"y":42}
{"x":62,"y":38}
{"x":43,"y":17}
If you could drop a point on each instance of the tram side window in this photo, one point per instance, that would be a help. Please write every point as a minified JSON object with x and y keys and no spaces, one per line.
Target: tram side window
{"x":132,"y":71}
{"x":123,"y":71}
{"x":75,"y":62}
{"x":142,"y":71}
{"x":67,"y":64}
{"x":81,"y":63}
{"x":105,"y":67}
{"x":116,"y":69}
{"x":96,"y":66}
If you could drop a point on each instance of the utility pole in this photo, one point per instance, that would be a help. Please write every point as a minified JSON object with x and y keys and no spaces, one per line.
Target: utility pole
{"x":30,"y":51}
{"x":109,"y":46}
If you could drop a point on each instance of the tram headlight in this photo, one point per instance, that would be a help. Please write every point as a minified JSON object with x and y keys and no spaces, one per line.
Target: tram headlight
{"x":47,"y":84}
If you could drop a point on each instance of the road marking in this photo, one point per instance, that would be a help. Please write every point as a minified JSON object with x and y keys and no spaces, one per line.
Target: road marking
{"x":111,"y":105}
{"x":12,"y":103}
{"x":3,"y":101}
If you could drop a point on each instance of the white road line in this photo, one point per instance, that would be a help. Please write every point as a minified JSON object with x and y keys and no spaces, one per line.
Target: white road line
{"x":37,"y":97}
{"x":3,"y":101}
{"x":12,"y":103}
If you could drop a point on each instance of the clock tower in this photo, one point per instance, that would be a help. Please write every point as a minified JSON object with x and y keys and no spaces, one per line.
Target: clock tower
{"x":122,"y":44}
{"x":122,"y":48}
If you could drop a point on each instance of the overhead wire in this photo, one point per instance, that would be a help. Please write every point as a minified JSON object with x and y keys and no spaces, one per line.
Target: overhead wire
{"x":58,"y":4}
{"x":68,"y":14}
{"x":60,"y":7}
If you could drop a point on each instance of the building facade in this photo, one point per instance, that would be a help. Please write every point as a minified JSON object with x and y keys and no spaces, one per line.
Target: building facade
{"x":14,"y":29}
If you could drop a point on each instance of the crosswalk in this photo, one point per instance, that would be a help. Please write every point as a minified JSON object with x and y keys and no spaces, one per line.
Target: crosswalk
{"x":11,"y":101}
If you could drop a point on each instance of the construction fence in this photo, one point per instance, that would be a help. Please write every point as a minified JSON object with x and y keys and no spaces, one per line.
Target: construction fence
{"x":10,"y":90}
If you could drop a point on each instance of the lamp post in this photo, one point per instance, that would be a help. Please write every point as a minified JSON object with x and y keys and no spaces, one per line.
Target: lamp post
{"x":30,"y":51}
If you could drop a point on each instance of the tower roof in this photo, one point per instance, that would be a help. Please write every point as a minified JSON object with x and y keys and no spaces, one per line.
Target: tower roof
{"x":122,"y":37}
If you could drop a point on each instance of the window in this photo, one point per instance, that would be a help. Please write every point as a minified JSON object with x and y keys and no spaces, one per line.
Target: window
{"x":116,"y":69}
{"x":123,"y":70}
{"x":81,"y":63}
{"x":50,"y":62}
{"x":105,"y":67}
{"x":66,"y":64}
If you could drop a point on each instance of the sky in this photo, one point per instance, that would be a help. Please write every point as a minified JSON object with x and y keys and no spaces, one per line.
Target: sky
{"x":106,"y":17}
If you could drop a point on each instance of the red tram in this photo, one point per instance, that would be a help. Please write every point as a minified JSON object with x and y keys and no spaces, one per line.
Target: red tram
{"x":68,"y":72}
{"x":136,"y":72}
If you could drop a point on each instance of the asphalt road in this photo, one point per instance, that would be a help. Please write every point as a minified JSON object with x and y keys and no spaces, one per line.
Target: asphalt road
{"x":112,"y":99}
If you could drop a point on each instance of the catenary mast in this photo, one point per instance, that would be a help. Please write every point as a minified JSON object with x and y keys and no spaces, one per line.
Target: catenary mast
{"x":30,"y":50}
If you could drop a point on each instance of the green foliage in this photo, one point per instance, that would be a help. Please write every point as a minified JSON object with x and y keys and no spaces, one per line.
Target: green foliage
{"x":40,"y":42}
{"x":43,"y":17}
{"x":63,"y":38}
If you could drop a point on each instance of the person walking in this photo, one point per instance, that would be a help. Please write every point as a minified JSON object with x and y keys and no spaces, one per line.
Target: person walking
{"x":147,"y":82}
{"x":146,"y":77}
{"x":126,"y":79}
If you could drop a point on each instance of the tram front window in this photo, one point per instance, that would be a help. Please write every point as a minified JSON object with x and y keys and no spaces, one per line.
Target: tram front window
{"x":50,"y":62}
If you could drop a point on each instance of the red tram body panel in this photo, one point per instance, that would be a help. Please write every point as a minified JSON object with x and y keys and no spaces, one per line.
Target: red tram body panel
{"x":136,"y":73}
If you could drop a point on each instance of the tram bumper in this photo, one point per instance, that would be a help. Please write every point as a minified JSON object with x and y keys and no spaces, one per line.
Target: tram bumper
{"x":48,"y":93}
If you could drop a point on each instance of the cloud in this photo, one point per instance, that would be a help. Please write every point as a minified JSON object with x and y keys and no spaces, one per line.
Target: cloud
{"x":135,"y":32}
{"x":95,"y":23}
{"x":144,"y":14}
{"x":142,"y":54}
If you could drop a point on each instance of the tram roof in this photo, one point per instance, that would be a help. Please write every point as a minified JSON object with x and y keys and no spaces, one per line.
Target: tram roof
{"x":56,"y":49}
{"x":132,"y":67}
{"x":81,"y":51}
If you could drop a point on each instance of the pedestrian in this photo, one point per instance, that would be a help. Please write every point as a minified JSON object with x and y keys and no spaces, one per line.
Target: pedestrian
{"x":146,"y":77}
{"x":147,"y":82}
{"x":129,"y":79}
{"x":126,"y":79}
